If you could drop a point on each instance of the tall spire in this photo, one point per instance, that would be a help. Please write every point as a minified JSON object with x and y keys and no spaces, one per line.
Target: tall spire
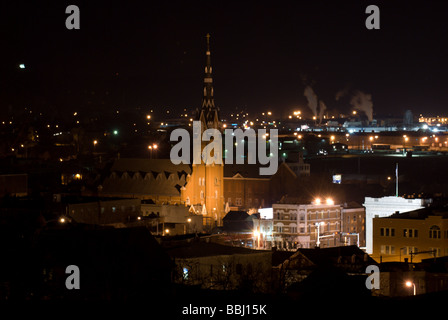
{"x":207,"y":100}
{"x":209,"y":113}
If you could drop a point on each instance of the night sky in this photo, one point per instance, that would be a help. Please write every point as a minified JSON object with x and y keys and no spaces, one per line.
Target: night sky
{"x":264,"y":53}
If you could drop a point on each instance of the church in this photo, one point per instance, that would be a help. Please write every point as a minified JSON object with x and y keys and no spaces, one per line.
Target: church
{"x":205,"y":186}
{"x":200,"y":187}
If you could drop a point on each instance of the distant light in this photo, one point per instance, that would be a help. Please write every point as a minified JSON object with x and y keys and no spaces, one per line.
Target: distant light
{"x":317,"y":201}
{"x":77,"y":176}
{"x":95,"y":142}
{"x":62,"y":220}
{"x":22,"y":66}
{"x":115,"y":132}
{"x":148,"y":116}
{"x":330,"y":201}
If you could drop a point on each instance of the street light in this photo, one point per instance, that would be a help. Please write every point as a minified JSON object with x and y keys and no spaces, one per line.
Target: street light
{"x":318,"y":224}
{"x":409,"y":284}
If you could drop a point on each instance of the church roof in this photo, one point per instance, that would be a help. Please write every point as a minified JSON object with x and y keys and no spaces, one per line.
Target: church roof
{"x":155,"y":177}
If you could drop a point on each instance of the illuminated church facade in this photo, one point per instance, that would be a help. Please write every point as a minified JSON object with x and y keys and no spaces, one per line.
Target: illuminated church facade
{"x":204,"y":190}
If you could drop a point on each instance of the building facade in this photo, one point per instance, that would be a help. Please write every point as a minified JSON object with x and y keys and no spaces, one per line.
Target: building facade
{"x":306,"y":225}
{"x":383,"y":207}
{"x":353,"y":221}
{"x":413,"y":236}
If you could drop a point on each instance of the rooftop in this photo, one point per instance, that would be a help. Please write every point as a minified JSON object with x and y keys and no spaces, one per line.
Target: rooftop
{"x":203,"y":249}
{"x":420,"y":214}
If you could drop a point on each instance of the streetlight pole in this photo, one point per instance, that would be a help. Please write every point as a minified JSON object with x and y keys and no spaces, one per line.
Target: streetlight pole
{"x":318,"y":224}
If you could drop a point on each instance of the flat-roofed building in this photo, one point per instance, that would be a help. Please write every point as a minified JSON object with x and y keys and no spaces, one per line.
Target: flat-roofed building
{"x":413,"y":235}
{"x":384,"y":207}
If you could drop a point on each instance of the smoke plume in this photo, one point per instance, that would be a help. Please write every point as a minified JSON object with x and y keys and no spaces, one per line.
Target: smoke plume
{"x":322,"y":108}
{"x":312,"y":99}
{"x":363,"y":102}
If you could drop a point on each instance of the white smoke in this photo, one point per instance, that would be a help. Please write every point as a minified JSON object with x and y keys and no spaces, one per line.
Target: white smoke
{"x":322,"y":108}
{"x":312,"y":99}
{"x":363,"y":102}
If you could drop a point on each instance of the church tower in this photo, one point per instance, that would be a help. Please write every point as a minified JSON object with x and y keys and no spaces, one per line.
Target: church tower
{"x":209,"y":114}
{"x":206,"y":184}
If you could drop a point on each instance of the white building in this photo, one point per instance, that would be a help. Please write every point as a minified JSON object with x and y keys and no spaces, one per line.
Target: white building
{"x":384,"y":207}
{"x":295,"y":225}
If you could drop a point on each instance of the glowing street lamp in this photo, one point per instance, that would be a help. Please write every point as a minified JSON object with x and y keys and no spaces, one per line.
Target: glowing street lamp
{"x":318,"y":224}
{"x":411,"y":284}
{"x":330,"y":201}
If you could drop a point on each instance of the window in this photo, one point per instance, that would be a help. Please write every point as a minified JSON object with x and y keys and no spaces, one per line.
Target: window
{"x":434,"y":232}
{"x":202,"y":194}
{"x":410,"y":233}
{"x":238,"y":202}
{"x":387,"y":232}
{"x":387,"y":249}
{"x":114,"y":209}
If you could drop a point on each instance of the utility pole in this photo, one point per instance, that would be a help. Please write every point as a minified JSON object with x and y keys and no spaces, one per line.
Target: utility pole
{"x":396,"y":179}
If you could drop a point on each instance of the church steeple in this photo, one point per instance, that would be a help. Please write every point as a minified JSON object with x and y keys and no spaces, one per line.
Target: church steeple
{"x":209,"y":113}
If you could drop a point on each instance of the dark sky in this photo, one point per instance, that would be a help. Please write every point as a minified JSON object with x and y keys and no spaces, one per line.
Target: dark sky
{"x":131,"y":53}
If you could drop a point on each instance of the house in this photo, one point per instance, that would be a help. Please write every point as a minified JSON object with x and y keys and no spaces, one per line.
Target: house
{"x":331,"y":270}
{"x":221,"y":267}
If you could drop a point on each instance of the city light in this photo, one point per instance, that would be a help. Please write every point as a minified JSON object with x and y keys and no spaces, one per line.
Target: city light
{"x":22,"y":66}
{"x":330,"y":201}
{"x":317,"y":201}
{"x":411,"y":284}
